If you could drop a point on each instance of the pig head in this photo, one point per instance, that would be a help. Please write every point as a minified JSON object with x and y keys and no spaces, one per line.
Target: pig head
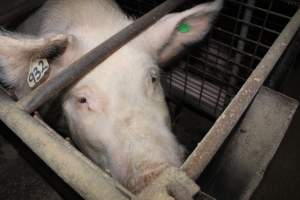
{"x":116,"y":114}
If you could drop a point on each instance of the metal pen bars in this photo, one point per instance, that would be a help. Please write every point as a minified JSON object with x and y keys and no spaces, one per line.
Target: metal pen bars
{"x":237,"y":47}
{"x":210,"y":144}
{"x":213,"y":72}
{"x":94,"y":57}
{"x":76,"y":170}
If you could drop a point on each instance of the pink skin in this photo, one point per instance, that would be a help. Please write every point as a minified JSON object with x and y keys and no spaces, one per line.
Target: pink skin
{"x":117,"y":115}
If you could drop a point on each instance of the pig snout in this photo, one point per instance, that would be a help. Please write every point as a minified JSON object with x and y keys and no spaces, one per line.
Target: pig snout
{"x":149,"y":172}
{"x":143,"y":153}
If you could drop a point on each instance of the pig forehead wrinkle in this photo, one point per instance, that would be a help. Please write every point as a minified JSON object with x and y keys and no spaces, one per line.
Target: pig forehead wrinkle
{"x":128,"y":64}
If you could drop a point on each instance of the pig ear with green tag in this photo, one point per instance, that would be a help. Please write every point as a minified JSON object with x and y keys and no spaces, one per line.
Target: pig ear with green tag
{"x":174,"y":32}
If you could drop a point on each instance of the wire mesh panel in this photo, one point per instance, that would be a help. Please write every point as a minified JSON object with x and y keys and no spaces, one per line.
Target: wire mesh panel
{"x":213,"y":71}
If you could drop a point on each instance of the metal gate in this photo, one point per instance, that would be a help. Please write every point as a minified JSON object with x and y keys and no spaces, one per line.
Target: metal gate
{"x":220,"y":78}
{"x":214,"y":71}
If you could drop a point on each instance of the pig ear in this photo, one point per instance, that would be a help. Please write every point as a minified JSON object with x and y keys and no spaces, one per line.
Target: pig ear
{"x":17,"y":51}
{"x":172,"y":33}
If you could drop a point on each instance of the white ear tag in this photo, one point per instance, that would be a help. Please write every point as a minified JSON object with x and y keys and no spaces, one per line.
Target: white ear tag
{"x":38,"y":72}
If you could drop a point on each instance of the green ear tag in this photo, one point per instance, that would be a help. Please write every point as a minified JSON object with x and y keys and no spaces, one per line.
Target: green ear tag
{"x":184,"y":27}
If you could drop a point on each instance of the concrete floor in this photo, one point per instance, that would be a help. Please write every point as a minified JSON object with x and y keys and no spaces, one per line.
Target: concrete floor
{"x":18,"y":180}
{"x":24,"y":176}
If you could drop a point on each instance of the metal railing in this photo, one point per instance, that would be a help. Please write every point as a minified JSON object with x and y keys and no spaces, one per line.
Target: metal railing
{"x":86,"y":178}
{"x":83,"y":176}
{"x":212,"y":73}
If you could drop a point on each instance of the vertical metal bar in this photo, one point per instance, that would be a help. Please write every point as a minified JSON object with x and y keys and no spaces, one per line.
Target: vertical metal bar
{"x":89,"y":61}
{"x":210,"y":144}
{"x":204,"y":74}
{"x":261,"y":33}
{"x":241,"y":43}
{"x":185,"y":84}
{"x":235,"y":68}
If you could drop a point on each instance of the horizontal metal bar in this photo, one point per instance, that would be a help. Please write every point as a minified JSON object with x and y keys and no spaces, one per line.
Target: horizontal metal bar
{"x":261,"y":9}
{"x":89,"y":61}
{"x":242,"y":38}
{"x":211,"y":77}
{"x":210,"y":144}
{"x":238,"y":51}
{"x":74,"y":168}
{"x":250,"y":24}
{"x":215,"y":65}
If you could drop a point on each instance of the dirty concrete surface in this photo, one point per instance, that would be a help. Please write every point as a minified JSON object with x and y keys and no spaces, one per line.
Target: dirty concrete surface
{"x":18,"y":180}
{"x":23,"y":176}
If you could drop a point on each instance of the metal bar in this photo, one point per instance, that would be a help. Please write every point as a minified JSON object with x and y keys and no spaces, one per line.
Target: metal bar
{"x":217,"y":66}
{"x":89,"y":61}
{"x":261,"y":9}
{"x":241,"y":43}
{"x":20,"y":8}
{"x":241,"y":38}
{"x":244,"y":53}
{"x":261,"y":33}
{"x":249,"y":23}
{"x":210,"y":144}
{"x":80,"y":173}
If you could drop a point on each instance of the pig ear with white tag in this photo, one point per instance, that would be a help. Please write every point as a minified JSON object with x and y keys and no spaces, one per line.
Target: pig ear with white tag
{"x":39,"y":70}
{"x":27,"y":59}
{"x":173,"y":32}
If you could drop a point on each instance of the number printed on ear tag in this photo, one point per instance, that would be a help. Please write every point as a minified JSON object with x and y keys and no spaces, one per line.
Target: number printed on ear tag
{"x":38,"y":72}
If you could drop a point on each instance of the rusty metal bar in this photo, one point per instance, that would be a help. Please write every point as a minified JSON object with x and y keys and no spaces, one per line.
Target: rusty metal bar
{"x":80,"y":173}
{"x":89,"y":61}
{"x":210,"y":144}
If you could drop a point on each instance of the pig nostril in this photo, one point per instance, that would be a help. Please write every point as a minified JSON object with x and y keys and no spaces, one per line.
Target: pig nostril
{"x":82,"y":100}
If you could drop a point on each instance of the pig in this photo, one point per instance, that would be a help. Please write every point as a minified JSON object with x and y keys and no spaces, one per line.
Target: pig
{"x":117,"y":114}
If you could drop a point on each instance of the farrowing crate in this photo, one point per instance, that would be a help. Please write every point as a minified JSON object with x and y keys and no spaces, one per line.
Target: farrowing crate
{"x":209,"y":76}
{"x":213,"y":76}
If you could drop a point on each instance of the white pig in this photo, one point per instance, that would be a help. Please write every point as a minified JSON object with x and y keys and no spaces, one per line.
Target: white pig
{"x":116,"y":114}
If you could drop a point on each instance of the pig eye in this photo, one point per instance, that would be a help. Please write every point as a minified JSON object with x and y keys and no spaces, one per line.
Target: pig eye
{"x":153,"y":79}
{"x":82,"y":100}
{"x":154,"y":73}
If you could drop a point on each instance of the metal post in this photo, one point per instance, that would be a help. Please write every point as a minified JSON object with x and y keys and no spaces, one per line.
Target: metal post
{"x":89,"y":61}
{"x":210,"y":144}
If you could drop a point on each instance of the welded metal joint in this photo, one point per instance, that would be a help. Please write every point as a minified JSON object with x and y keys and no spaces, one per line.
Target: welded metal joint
{"x":171,"y":184}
